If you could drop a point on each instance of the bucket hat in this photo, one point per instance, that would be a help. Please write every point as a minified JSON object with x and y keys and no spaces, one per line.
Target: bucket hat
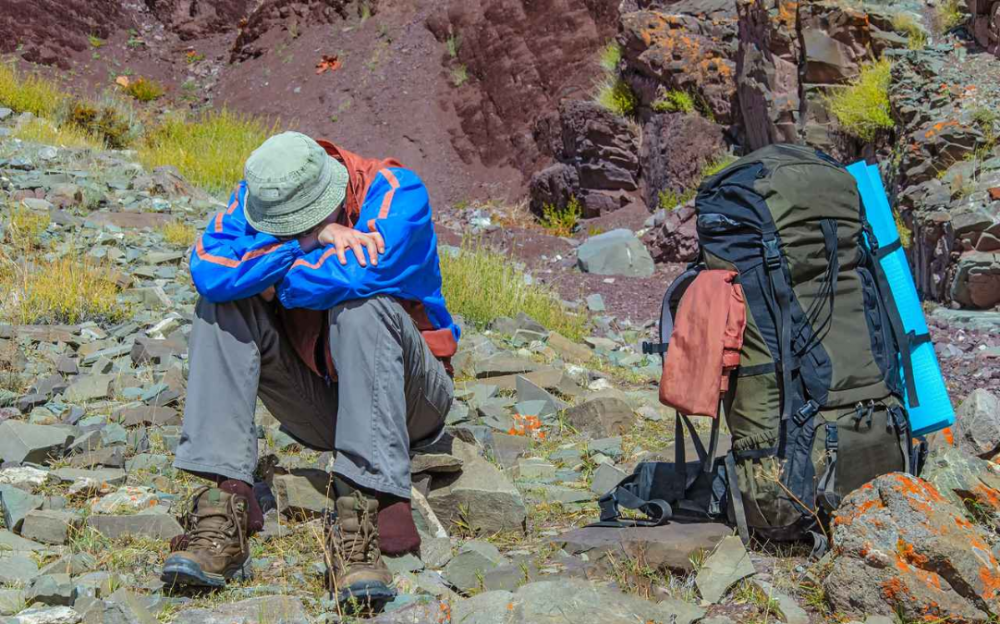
{"x":292,"y":185}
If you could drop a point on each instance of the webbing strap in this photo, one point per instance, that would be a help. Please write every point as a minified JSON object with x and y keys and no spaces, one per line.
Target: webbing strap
{"x":658,"y":511}
{"x":781,"y":292}
{"x":736,"y":500}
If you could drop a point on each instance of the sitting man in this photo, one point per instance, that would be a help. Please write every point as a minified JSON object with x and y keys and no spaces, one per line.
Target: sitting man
{"x":320,"y":294}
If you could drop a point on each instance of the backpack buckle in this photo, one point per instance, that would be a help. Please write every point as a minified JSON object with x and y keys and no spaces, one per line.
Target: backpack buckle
{"x":832,"y":440}
{"x":805,"y":412}
{"x":654,"y":348}
{"x":772,"y":253}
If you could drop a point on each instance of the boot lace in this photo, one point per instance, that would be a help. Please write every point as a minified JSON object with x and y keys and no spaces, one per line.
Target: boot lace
{"x":349,"y":547}
{"x":209,"y":529}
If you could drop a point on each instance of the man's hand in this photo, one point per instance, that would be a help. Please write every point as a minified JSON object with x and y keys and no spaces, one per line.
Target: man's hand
{"x":343,"y":238}
{"x":268,"y":295}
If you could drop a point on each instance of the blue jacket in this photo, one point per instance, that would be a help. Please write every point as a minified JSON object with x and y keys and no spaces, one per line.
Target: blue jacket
{"x":233,"y":261}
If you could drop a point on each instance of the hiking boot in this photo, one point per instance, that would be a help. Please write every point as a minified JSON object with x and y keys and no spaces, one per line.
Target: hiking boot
{"x":214,"y":546}
{"x":357,"y":576}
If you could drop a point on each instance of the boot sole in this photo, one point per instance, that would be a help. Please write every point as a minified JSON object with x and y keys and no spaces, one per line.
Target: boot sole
{"x":186,"y":573}
{"x":372,"y":596}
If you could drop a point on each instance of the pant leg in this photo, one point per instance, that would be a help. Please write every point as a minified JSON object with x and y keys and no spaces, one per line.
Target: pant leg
{"x":237,"y":352}
{"x":393,"y":391}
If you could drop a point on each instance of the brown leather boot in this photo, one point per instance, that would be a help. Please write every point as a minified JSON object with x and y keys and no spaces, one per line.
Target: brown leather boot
{"x":357,"y":576}
{"x":214,"y":547}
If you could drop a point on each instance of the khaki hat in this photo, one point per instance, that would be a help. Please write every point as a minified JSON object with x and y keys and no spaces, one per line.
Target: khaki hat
{"x":292,"y":185}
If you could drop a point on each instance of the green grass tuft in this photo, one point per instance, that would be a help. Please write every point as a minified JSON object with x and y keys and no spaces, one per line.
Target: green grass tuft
{"x":28,"y":94}
{"x":950,"y":14}
{"x":561,"y":221}
{"x":907,"y":24}
{"x":209,"y":151}
{"x":145,"y":89}
{"x":47,"y":133}
{"x":674,"y":101}
{"x":862,"y":108}
{"x":482,"y":285}
{"x":454,"y":43}
{"x":615,"y":95}
{"x":459,"y":75}
{"x":610,"y":57}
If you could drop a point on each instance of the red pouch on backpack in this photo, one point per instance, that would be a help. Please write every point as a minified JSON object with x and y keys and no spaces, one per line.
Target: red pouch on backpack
{"x":705,"y":344}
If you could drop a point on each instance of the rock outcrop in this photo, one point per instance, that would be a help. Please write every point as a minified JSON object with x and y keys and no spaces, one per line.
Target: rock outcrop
{"x":985,"y":25}
{"x":269,"y":15}
{"x":194,"y":18}
{"x":901,"y":547}
{"x":598,"y":161}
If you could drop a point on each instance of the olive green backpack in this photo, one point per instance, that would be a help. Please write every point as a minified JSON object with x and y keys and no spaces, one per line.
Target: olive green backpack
{"x":815,"y":408}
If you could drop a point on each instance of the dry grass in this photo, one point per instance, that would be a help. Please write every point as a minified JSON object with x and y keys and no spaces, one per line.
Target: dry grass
{"x":615,"y":95}
{"x":24,"y":227}
{"x":44,"y":131}
{"x":481,"y":285}
{"x":30,"y":93}
{"x":69,"y":289}
{"x":145,"y":89}
{"x":178,"y":233}
{"x":209,"y":151}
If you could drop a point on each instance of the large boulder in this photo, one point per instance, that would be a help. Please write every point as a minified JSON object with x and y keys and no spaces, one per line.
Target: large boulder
{"x":676,"y":148}
{"x":687,"y":47}
{"x":985,"y":24}
{"x":617,"y":252}
{"x":977,"y":280}
{"x":977,"y":424}
{"x":899,"y":546}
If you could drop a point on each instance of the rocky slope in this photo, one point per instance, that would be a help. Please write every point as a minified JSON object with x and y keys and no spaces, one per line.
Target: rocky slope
{"x":90,"y":414}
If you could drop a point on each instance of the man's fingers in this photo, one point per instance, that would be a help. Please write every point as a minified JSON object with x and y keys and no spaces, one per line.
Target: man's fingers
{"x":357,"y":248}
{"x":372,"y":248}
{"x":379,"y":241}
{"x":341,"y":248}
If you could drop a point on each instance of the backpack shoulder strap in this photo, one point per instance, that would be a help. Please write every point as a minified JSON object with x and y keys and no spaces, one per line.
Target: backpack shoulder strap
{"x":671,"y":298}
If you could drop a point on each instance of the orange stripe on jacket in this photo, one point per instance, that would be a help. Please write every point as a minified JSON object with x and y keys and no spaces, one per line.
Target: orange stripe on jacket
{"x":229,"y":211}
{"x":303,"y":262}
{"x":229,"y":262}
{"x":387,"y":200}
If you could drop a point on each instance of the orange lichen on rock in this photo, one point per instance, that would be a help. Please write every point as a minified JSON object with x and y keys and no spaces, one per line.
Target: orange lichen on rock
{"x":908,"y":554}
{"x":987,"y":496}
{"x":991,"y":582}
{"x":894,"y":590}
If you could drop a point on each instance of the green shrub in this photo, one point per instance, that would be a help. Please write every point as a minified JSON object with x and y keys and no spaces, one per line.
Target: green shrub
{"x":95,"y":41}
{"x":482,"y":285}
{"x":561,"y":221}
{"x":717,"y":165}
{"x":459,"y":75}
{"x":30,"y":94}
{"x":105,"y":122}
{"x":950,"y":14}
{"x":454,"y":43}
{"x":145,"y":90}
{"x":862,"y":108}
{"x":610,"y":57}
{"x":668,"y":199}
{"x":906,"y":24}
{"x":615,"y":95}
{"x":209,"y":151}
{"x":674,"y":101}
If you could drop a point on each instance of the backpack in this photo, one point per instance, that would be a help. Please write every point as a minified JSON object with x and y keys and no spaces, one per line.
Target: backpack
{"x":815,"y":408}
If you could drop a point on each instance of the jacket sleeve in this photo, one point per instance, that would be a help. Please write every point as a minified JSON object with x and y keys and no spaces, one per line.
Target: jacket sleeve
{"x":397,"y":206}
{"x":231,"y":260}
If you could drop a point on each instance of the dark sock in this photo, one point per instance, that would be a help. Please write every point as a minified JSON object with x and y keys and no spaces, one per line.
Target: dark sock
{"x":255,"y":517}
{"x":397,"y":535}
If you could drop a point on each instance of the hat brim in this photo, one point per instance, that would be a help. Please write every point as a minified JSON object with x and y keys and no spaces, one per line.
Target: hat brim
{"x":301,"y":220}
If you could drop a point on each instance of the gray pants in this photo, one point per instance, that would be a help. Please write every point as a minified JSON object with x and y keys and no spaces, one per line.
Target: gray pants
{"x":391,"y":391}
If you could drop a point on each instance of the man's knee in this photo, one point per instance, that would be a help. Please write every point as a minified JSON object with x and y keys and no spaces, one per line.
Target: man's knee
{"x":363,"y":316}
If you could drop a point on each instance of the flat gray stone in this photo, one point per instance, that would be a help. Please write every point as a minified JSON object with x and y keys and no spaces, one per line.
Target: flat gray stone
{"x":17,"y":568}
{"x":670,"y":546}
{"x":484,"y":497}
{"x":101,"y":476}
{"x":304,"y":493}
{"x":602,"y":416}
{"x":53,"y":590}
{"x":16,"y":503}
{"x":576,"y":601}
{"x":89,"y":388}
{"x":266,"y":610}
{"x":49,"y":526}
{"x":11,"y":601}
{"x":10,"y":542}
{"x":728,"y":564}
{"x":435,"y":463}
{"x":503,"y":364}
{"x":22,"y":442}
{"x":474,"y":559}
{"x":605,"y":477}
{"x":154,"y":526}
{"x":47,"y":615}
{"x":794,"y":614}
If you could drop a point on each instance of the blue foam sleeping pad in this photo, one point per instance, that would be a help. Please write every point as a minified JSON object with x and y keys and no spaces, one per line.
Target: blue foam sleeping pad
{"x":934,"y":411}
